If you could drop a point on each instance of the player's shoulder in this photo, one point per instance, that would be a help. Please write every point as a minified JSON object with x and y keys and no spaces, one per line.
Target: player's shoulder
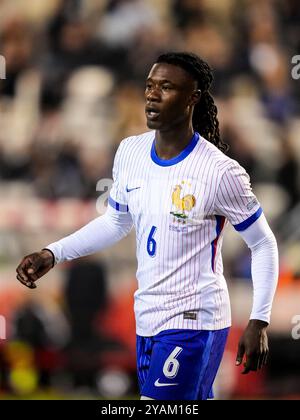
{"x":221,"y":161}
{"x":133,"y":147}
{"x":139,"y":139}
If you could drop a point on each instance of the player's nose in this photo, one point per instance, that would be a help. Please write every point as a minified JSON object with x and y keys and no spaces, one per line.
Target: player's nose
{"x":153,"y":95}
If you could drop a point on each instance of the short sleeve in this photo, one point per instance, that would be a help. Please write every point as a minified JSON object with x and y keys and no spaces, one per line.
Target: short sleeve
{"x":235,"y":199}
{"x":117,"y":197}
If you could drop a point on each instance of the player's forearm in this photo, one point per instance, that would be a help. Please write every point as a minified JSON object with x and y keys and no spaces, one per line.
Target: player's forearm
{"x":100,"y":233}
{"x":265,"y":276}
{"x":264,"y":267}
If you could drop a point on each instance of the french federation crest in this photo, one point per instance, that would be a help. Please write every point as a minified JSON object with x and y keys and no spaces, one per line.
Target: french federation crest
{"x":181,"y":206}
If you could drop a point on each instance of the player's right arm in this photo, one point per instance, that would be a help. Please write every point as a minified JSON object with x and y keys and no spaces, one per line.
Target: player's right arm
{"x":100,"y":233}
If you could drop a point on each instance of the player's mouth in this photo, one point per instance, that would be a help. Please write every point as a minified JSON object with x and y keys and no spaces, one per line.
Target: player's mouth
{"x":152,"y":114}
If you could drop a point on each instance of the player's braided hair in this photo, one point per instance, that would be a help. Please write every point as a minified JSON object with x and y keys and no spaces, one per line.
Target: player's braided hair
{"x":205,"y":119}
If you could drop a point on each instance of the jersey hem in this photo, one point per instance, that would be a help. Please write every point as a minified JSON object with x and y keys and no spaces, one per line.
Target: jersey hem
{"x":152,"y":333}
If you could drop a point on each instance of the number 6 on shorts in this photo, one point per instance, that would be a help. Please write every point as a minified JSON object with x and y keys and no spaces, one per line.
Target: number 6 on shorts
{"x":171,"y":365}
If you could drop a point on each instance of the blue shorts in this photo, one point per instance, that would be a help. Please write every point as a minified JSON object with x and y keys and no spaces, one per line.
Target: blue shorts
{"x":179,"y":364}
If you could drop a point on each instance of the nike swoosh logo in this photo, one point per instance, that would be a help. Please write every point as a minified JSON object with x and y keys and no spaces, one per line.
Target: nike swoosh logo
{"x":157,"y":383}
{"x":131,"y":189}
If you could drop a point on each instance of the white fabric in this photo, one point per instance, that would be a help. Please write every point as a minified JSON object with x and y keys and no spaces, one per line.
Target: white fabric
{"x":179,"y":210}
{"x":235,"y":199}
{"x":100,"y":233}
{"x":263,"y":245}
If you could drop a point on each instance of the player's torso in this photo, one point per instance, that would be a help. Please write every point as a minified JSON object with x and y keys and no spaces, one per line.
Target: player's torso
{"x":171,"y":205}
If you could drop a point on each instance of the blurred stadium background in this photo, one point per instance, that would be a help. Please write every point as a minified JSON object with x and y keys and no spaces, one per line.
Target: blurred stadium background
{"x":74,"y":85}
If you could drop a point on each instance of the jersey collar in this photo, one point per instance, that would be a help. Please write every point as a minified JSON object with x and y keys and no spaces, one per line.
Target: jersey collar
{"x":182,"y":155}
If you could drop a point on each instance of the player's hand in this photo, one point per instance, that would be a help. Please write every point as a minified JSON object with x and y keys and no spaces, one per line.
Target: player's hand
{"x":34,"y":266}
{"x":253,"y":346}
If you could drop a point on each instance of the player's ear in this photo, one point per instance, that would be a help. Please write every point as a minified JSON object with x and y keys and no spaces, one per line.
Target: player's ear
{"x":195,"y":97}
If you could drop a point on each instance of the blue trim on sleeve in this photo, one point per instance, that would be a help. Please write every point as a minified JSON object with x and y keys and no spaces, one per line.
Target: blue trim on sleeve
{"x":248,"y":222}
{"x":117,"y":206}
{"x":169,"y":162}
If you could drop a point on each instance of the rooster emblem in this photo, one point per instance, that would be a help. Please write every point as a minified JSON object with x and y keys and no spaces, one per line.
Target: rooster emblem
{"x":184,"y":204}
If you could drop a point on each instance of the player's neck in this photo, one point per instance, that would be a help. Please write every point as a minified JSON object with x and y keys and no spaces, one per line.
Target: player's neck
{"x":169,"y":144}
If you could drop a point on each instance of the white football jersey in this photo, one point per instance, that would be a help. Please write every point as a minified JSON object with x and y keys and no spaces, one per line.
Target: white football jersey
{"x":179,"y":208}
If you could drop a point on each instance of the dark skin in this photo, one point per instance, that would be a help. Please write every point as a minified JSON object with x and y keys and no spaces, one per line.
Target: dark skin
{"x":171,"y":94}
{"x":34,"y":266}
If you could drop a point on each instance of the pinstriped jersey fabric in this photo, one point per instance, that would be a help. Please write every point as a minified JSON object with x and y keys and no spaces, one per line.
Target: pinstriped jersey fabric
{"x":179,"y":208}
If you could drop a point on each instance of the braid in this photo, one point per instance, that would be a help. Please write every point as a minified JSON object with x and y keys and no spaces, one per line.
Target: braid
{"x":205,"y":119}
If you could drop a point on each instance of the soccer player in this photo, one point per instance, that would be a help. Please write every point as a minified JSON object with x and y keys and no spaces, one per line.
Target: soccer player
{"x":178,"y":189}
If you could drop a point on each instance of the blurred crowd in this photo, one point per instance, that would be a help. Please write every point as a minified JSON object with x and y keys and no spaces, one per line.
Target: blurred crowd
{"x":75,"y":76}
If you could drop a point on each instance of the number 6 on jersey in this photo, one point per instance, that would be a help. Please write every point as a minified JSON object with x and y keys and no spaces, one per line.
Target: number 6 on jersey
{"x":151,"y":243}
{"x":171,"y":365}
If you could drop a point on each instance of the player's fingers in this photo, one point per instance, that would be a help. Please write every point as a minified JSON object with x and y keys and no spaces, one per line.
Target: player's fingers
{"x":21,"y":279}
{"x":27,"y":283}
{"x":251,"y":363}
{"x":28,"y":266}
{"x":246,"y":370}
{"x":260,"y":361}
{"x":240,"y":354}
{"x":21,"y":269}
{"x":22,"y":275}
{"x":246,"y":367}
{"x":265,"y":358}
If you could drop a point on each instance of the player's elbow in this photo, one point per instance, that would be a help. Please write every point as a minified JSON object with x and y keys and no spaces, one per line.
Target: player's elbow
{"x":267,"y":242}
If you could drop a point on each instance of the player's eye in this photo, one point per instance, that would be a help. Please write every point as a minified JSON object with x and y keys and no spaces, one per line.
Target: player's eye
{"x":166,"y":87}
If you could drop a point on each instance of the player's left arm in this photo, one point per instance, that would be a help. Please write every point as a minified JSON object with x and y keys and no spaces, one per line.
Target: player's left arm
{"x":253,"y":344}
{"x":236,"y":201}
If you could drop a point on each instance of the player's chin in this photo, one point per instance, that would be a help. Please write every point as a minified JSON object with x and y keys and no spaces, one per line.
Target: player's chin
{"x":153,"y":125}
